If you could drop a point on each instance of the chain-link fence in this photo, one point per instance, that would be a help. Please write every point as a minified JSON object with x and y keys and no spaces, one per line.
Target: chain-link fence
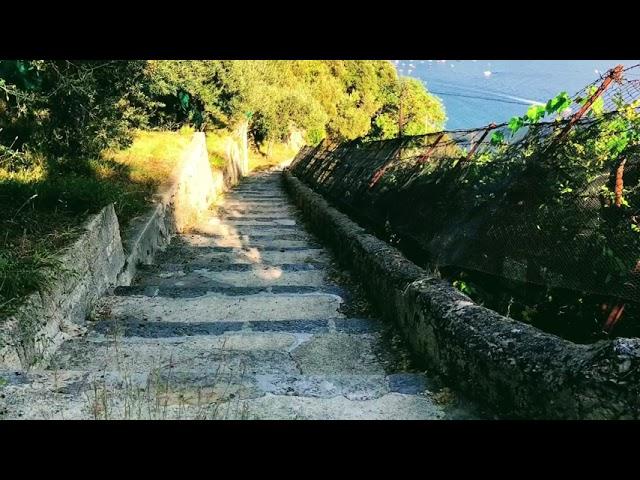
{"x":553,"y":202}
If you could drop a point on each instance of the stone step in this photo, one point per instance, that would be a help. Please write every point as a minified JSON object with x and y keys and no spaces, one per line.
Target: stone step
{"x":245,"y":226}
{"x":231,"y":198}
{"x":182,"y":268}
{"x":219,"y":307}
{"x":246,"y":195}
{"x":162,"y":329}
{"x":271,"y":199}
{"x":257,"y":205}
{"x":235,"y":198}
{"x":253,"y":216}
{"x":244,"y":222}
{"x":269,"y":239}
{"x":351,"y":386}
{"x":232,"y":352}
{"x":258,"y":191}
{"x":191,"y":394}
{"x":392,"y":406}
{"x":214,"y":255}
{"x":257,"y":248}
{"x":173,"y":291}
{"x":285,"y":206}
{"x":288,"y":235}
{"x":235,"y":232}
{"x":262,"y":276}
{"x":287,"y":210}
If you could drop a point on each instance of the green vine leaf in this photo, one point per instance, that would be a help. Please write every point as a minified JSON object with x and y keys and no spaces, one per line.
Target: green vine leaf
{"x":497,"y":138}
{"x":559,"y":103}
{"x":535,"y":113}
{"x":598,"y":107}
{"x":515,"y":124}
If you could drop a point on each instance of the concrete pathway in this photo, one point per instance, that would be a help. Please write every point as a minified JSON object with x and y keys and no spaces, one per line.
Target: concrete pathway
{"x":245,"y":317}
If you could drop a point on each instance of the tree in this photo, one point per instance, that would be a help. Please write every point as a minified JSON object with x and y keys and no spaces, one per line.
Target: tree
{"x":73,"y":110}
{"x":338,"y":99}
{"x":184,"y":92}
{"x":409,"y":105}
{"x":69,"y":111}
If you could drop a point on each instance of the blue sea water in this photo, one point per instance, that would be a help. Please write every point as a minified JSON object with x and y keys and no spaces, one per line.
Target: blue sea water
{"x":478,"y":92}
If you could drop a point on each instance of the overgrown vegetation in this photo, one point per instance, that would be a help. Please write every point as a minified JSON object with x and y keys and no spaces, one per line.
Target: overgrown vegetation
{"x":335,"y":99}
{"x":41,"y":211}
{"x":576,"y":201}
{"x":537,"y":220}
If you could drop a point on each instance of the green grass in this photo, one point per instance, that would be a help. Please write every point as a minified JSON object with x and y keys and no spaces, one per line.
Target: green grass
{"x":41,"y":211}
{"x":270,"y":155}
{"x":259,"y":158}
{"x":152,"y":156}
{"x":217,"y":147}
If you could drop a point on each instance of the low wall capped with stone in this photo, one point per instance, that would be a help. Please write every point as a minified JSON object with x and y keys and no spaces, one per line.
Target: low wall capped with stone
{"x":513,"y":368}
{"x":101,"y":259}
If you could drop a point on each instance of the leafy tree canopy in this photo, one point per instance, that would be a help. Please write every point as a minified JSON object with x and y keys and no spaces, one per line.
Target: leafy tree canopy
{"x":71,"y":111}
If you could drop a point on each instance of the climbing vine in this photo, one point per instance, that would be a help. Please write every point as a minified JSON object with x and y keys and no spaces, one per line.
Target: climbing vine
{"x":578,"y":194}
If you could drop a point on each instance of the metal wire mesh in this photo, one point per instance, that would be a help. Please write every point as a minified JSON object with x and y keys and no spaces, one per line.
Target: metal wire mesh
{"x":537,"y":208}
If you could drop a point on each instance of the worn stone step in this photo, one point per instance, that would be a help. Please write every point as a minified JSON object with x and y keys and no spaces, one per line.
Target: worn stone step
{"x":213,"y":255}
{"x":392,"y":406}
{"x":283,"y":207}
{"x":257,"y":205}
{"x":263,"y":276}
{"x":253,"y":216}
{"x":261,"y":182}
{"x":263,"y":242}
{"x":246,"y":195}
{"x":247,"y":227}
{"x":229,"y":199}
{"x":287,"y":210}
{"x":244,"y":222}
{"x":255,"y":248}
{"x":262,"y":199}
{"x":232,"y":353}
{"x":218,"y":307}
{"x":264,"y":231}
{"x":265,"y":234}
{"x":351,"y":386}
{"x":204,"y":405}
{"x":162,"y":329}
{"x":249,"y":238}
{"x":239,"y":230}
{"x":226,"y":201}
{"x":144,"y":355}
{"x":191,"y":394}
{"x":259,"y":191}
{"x":177,"y":291}
{"x":182,"y":268}
{"x":268,"y":240}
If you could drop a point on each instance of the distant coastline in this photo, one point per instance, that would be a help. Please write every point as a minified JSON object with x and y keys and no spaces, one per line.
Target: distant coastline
{"x":473,"y":97}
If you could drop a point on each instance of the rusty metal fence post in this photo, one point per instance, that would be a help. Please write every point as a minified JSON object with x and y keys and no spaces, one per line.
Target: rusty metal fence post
{"x":475,"y":146}
{"x":424,"y":158}
{"x":615,"y":74}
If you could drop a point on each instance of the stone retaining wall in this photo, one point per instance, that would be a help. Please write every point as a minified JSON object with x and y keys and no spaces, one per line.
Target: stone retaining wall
{"x":514,"y":368}
{"x":45,"y":319}
{"x":100,"y":259}
{"x":188,"y":195}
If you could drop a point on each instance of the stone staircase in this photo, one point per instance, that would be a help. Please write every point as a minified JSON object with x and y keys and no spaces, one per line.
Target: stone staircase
{"x":245,"y":317}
